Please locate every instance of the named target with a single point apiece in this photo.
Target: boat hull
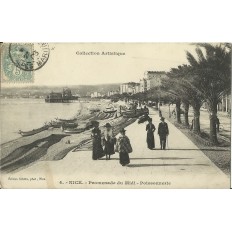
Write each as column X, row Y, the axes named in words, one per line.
column 74, row 131
column 33, row 132
column 67, row 120
column 109, row 112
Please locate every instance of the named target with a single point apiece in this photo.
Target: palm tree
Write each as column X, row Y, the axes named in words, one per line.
column 212, row 77
column 180, row 85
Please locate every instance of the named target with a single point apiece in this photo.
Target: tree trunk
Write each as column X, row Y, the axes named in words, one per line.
column 212, row 118
column 169, row 111
column 196, row 120
column 156, row 104
column 186, row 111
column 178, row 111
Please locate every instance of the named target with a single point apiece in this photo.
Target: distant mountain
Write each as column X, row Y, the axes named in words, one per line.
column 82, row 90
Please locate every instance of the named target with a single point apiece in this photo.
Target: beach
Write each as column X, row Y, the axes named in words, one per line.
column 54, row 144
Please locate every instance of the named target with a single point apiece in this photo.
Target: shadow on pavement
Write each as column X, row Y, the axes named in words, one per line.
column 161, row 158
column 186, row 149
column 160, row 165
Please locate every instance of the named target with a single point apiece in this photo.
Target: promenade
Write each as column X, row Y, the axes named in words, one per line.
column 182, row 165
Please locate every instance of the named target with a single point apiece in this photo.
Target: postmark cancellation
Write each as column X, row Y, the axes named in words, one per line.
column 19, row 61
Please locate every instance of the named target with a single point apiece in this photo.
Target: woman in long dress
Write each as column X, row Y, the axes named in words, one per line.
column 150, row 128
column 124, row 148
column 108, row 141
column 97, row 146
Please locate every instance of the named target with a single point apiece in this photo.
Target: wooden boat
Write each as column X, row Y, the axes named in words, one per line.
column 110, row 110
column 67, row 120
column 58, row 124
column 85, row 125
column 70, row 125
column 131, row 113
column 94, row 110
column 34, row 131
column 74, row 130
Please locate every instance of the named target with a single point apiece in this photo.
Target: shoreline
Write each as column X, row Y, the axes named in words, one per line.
column 53, row 144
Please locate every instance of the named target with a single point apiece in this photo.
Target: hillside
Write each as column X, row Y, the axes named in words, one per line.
column 82, row 90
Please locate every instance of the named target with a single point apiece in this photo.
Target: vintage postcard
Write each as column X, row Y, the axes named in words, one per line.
column 115, row 115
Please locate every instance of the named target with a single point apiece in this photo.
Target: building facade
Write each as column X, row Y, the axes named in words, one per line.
column 143, row 85
column 154, row 78
column 130, row 88
column 111, row 93
column 95, row 95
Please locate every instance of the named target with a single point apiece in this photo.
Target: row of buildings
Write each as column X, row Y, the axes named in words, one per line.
column 108, row 94
column 150, row 80
column 153, row 79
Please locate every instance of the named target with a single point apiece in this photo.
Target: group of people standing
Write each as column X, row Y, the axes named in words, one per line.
column 163, row 132
column 108, row 145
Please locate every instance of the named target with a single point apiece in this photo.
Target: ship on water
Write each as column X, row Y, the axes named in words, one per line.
column 63, row 97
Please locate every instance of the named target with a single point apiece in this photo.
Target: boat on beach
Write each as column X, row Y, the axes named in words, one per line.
column 58, row 124
column 133, row 113
column 94, row 110
column 34, row 131
column 86, row 125
column 67, row 120
column 74, row 130
column 110, row 109
column 129, row 115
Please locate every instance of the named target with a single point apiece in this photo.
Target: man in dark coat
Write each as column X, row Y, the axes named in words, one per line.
column 163, row 132
column 97, row 146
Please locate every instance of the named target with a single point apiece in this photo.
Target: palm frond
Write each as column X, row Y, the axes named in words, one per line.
column 191, row 59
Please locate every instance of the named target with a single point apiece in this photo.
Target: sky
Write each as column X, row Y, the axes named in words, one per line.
column 64, row 67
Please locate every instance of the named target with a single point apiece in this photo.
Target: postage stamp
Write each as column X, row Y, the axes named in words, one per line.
column 20, row 60
column 10, row 72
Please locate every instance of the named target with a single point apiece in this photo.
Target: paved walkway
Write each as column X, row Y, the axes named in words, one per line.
column 183, row 165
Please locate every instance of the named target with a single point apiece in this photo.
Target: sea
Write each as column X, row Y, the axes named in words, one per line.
column 27, row 114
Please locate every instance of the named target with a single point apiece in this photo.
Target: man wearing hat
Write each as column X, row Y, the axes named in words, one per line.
column 163, row 132
column 108, row 141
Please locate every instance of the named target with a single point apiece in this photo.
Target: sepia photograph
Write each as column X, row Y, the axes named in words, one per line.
column 115, row 115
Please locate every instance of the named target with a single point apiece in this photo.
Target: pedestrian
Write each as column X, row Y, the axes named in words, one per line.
column 123, row 146
column 150, row 128
column 108, row 141
column 192, row 125
column 97, row 146
column 174, row 113
column 160, row 113
column 163, row 132
column 217, row 122
column 146, row 110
